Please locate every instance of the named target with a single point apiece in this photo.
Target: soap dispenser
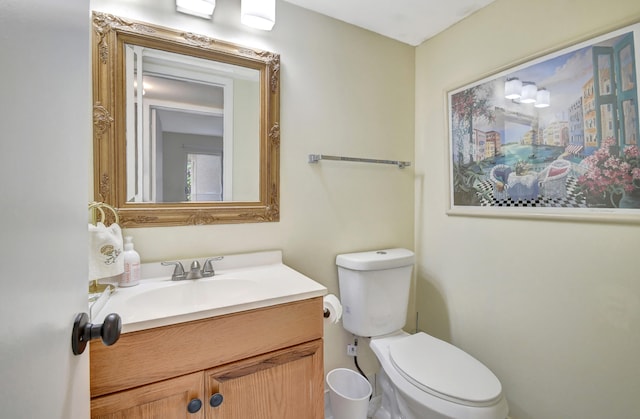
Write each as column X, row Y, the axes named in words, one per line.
column 131, row 275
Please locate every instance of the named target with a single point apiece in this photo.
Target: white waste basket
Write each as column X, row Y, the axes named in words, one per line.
column 348, row 394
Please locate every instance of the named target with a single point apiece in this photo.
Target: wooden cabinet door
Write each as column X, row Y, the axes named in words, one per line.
column 285, row 384
column 162, row 400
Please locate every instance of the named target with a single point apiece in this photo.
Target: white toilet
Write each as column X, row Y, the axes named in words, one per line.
column 421, row 377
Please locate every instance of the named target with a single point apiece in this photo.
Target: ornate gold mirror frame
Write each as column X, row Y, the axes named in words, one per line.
column 110, row 34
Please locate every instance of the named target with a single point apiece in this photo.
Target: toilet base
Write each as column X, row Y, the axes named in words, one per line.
column 391, row 406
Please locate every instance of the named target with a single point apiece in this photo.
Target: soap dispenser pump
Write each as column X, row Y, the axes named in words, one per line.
column 131, row 275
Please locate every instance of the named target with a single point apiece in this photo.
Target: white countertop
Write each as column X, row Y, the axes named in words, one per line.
column 241, row 282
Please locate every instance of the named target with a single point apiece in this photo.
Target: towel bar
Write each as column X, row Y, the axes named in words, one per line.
column 99, row 207
column 314, row 158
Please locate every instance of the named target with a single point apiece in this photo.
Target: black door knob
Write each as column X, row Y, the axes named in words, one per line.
column 194, row 405
column 83, row 331
column 216, row 400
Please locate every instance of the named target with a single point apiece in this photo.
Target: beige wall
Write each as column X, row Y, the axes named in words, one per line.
column 553, row 308
column 344, row 91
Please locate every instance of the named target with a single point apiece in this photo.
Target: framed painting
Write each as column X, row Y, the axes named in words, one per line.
column 556, row 136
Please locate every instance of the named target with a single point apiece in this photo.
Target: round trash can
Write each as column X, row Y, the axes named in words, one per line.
column 348, row 394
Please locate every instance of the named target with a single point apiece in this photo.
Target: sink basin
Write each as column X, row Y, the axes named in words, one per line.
column 242, row 282
column 194, row 295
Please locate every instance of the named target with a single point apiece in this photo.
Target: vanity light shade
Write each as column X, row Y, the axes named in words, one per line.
column 200, row 8
column 259, row 14
column 543, row 98
column 512, row 88
column 529, row 92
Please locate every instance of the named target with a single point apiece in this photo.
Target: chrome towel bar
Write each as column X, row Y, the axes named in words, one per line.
column 314, row 158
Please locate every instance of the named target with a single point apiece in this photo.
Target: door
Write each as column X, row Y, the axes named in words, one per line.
column 204, row 177
column 45, row 123
column 284, row 384
column 176, row 398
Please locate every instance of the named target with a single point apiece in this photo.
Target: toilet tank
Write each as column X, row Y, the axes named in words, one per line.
column 374, row 290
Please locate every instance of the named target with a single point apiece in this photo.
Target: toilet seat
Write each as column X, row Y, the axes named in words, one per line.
column 443, row 370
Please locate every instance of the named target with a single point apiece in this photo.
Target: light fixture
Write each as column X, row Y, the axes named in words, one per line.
column 543, row 98
column 529, row 91
column 200, row 8
column 512, row 88
column 145, row 86
column 526, row 92
column 259, row 14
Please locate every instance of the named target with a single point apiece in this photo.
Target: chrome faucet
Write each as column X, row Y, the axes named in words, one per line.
column 194, row 272
column 179, row 274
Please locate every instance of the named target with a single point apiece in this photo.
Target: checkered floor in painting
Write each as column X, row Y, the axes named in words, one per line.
column 573, row 199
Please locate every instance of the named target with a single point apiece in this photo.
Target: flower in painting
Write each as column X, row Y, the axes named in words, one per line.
column 609, row 173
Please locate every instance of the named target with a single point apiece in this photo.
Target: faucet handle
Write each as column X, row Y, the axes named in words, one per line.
column 178, row 272
column 207, row 269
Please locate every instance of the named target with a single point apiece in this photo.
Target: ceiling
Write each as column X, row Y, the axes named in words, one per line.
column 408, row 21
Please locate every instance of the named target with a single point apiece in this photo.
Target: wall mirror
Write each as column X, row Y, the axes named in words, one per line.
column 186, row 127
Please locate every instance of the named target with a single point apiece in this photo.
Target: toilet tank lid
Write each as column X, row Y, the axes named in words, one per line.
column 376, row 259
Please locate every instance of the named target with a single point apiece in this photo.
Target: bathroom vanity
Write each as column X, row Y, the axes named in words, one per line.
column 253, row 356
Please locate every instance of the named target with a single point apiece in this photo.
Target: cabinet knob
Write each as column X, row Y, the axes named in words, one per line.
column 216, row 400
column 194, row 405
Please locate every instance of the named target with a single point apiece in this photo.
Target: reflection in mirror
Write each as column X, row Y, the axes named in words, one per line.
column 186, row 127
column 185, row 137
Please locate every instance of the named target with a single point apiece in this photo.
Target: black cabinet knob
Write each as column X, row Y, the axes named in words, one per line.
column 194, row 405
column 83, row 331
column 216, row 400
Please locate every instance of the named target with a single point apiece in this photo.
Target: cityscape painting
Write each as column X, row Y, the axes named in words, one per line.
column 556, row 134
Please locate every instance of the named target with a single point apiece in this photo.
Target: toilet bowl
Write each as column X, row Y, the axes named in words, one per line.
column 421, row 377
column 424, row 377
